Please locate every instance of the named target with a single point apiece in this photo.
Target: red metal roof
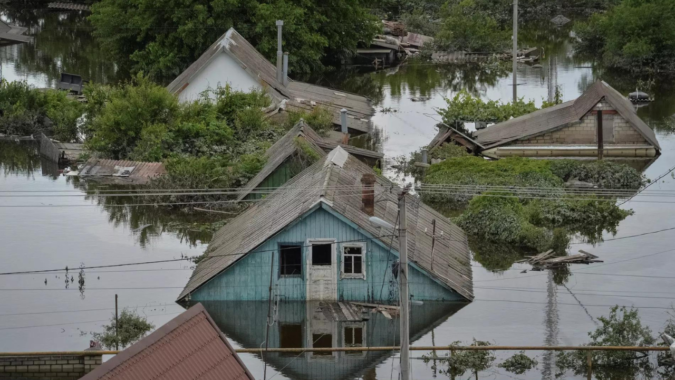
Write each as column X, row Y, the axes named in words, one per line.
column 189, row 346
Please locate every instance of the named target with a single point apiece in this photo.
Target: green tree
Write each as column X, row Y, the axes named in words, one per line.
column 468, row 26
column 634, row 35
column 130, row 327
column 163, row 37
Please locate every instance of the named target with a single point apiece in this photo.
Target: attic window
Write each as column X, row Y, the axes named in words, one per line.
column 290, row 259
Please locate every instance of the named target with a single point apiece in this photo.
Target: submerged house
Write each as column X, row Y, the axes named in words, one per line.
column 294, row 152
column 312, row 237
column 189, row 346
column 567, row 130
column 232, row 60
column 311, row 325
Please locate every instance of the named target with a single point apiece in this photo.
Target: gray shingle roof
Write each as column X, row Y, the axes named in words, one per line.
column 558, row 116
column 298, row 95
column 285, row 147
column 333, row 180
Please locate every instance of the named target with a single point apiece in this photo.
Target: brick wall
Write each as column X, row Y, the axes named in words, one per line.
column 585, row 132
column 47, row 367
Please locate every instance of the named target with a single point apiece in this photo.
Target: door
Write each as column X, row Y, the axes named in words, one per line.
column 321, row 270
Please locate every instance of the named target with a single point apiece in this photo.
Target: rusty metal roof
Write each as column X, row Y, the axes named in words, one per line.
column 189, row 346
column 122, row 172
column 299, row 96
column 552, row 118
column 331, row 182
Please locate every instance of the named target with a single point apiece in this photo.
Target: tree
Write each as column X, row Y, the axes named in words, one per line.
column 130, row 328
column 468, row 26
column 163, row 37
column 634, row 35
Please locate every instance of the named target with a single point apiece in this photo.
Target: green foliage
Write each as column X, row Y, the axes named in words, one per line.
column 622, row 327
column 466, row 107
column 163, row 37
column 445, row 151
column 633, row 35
column 25, row 111
column 604, row 174
column 319, row 118
column 418, row 21
column 469, row 25
column 519, row 363
column 130, row 328
column 306, row 151
column 461, row 361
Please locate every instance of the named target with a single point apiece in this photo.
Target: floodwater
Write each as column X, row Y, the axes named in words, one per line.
column 511, row 308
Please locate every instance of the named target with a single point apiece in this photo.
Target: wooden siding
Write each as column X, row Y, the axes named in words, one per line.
column 279, row 176
column 248, row 279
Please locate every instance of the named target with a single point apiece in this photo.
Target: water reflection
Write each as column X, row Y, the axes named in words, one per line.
column 19, row 158
column 299, row 324
column 63, row 43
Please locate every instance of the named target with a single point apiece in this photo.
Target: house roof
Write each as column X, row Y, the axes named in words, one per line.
column 549, row 119
column 332, row 182
column 298, row 95
column 122, row 172
column 285, row 147
column 189, row 346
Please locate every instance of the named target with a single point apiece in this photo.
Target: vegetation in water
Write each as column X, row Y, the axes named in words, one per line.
column 622, row 327
column 465, row 107
column 469, row 25
column 634, row 35
column 162, row 38
column 25, row 110
column 130, row 328
column 460, row 362
column 527, row 222
column 519, row 363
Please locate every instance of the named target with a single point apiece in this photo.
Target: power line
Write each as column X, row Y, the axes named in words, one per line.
column 571, row 304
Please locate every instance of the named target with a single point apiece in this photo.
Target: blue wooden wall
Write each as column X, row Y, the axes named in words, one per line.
column 248, row 279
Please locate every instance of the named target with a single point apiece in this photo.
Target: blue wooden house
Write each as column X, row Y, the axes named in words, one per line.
column 312, row 237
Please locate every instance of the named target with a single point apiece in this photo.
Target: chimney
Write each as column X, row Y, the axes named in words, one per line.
column 285, row 70
column 343, row 120
column 280, row 24
column 368, row 197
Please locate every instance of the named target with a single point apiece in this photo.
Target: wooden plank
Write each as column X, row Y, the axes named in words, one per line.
column 376, row 306
column 348, row 314
column 385, row 313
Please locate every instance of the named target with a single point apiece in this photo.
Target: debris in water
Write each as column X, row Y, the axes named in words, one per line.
column 549, row 260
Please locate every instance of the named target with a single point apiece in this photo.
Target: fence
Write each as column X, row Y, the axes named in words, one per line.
column 48, row 149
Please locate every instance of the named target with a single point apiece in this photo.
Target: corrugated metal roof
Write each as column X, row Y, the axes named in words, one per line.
column 109, row 171
column 298, row 95
column 328, row 182
column 558, row 116
column 285, row 147
column 189, row 346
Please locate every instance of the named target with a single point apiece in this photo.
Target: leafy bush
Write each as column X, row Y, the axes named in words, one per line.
column 461, row 361
column 467, row 25
column 466, row 107
column 633, row 35
column 603, row 173
column 446, row 151
column 130, row 328
column 519, row 363
column 320, row 119
column 25, row 111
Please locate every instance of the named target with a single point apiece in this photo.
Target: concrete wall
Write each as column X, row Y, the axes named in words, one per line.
column 248, row 279
column 222, row 70
column 617, row 130
column 54, row 367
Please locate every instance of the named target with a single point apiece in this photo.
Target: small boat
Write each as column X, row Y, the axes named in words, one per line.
column 639, row 97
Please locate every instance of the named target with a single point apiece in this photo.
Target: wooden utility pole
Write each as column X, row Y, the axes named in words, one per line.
column 117, row 335
column 515, row 50
column 403, row 281
column 601, row 143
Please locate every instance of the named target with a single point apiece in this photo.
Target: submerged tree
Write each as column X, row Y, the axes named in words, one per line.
column 129, row 328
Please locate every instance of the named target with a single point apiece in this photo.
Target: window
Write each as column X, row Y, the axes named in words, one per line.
column 354, row 337
column 290, row 336
column 353, row 260
column 290, row 259
column 322, row 341
column 322, row 254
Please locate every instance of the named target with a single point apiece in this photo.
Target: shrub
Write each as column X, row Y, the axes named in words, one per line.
column 129, row 328
column 320, row 119
column 519, row 363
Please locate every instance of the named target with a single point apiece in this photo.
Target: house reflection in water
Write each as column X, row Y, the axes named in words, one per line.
column 311, row 324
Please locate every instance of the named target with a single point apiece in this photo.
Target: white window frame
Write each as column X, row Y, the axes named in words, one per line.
column 361, row 275
column 354, row 325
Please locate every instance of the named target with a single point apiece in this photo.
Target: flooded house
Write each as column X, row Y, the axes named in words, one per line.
column 121, row 172
column 313, row 239
column 190, row 346
column 313, row 325
column 294, row 152
column 233, row 61
column 568, row 130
